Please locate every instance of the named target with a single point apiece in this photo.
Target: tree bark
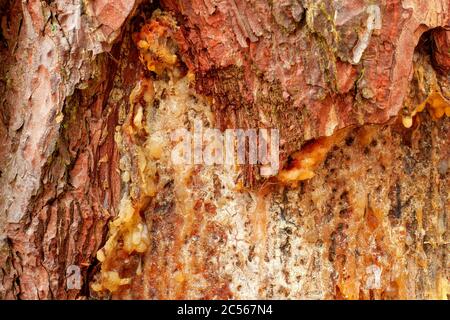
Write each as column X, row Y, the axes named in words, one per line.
column 91, row 92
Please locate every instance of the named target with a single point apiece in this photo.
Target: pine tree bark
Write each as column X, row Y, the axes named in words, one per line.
column 359, row 88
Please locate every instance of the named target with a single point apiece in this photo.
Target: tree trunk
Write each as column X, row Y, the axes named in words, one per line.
column 93, row 205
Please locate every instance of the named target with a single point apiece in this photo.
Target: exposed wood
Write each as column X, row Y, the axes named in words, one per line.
column 91, row 92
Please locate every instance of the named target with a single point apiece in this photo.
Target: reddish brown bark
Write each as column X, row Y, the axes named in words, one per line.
column 78, row 153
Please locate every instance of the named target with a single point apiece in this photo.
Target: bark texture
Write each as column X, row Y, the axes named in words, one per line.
column 57, row 156
column 315, row 66
column 92, row 90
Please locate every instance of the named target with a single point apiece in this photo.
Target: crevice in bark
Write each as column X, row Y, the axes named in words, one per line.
column 375, row 197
